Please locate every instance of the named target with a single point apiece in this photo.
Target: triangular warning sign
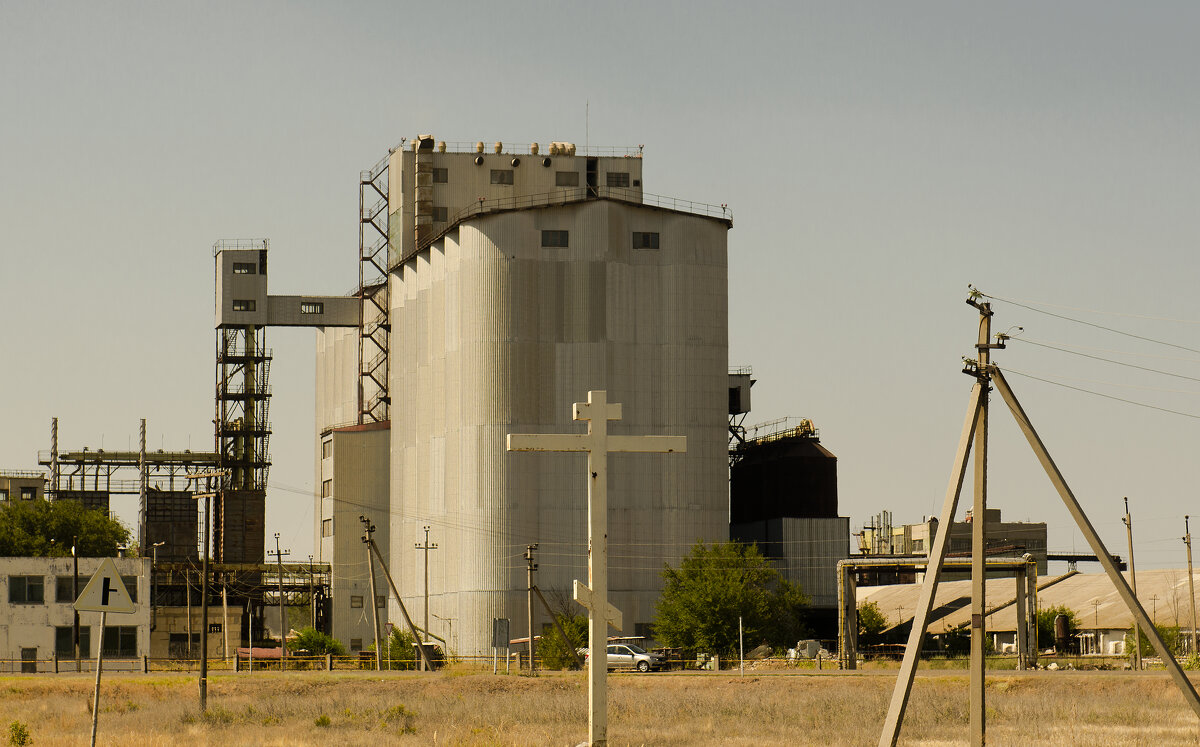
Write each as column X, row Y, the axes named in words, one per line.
column 105, row 592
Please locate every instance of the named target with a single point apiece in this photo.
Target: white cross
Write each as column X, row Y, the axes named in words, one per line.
column 597, row 411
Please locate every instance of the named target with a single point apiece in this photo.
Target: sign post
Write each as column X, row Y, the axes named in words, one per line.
column 104, row 593
column 597, row 411
column 499, row 638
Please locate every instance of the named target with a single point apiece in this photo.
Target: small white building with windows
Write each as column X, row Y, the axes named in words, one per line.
column 38, row 615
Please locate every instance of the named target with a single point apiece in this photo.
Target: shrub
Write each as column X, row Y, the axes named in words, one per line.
column 322, row 721
column 18, row 734
column 316, row 643
column 557, row 653
column 400, row 718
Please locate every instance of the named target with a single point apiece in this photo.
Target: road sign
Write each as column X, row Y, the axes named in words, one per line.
column 105, row 592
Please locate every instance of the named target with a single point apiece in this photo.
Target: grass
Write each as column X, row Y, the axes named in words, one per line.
column 366, row 708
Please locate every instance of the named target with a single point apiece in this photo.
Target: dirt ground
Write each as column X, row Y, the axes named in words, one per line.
column 466, row 707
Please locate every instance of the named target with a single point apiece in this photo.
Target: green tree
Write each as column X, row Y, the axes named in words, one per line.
column 1045, row 624
column 871, row 622
column 554, row 651
column 316, row 643
column 1169, row 633
column 713, row 586
column 43, row 528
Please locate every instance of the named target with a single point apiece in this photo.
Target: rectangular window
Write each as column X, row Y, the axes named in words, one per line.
column 243, row 305
column 326, row 488
column 645, row 239
column 3, row 494
column 327, row 448
column 64, row 589
column 502, row 176
column 326, row 527
column 440, row 176
column 566, row 178
column 64, row 641
column 120, row 640
column 440, row 214
column 555, row 238
column 380, row 601
column 356, row 644
column 312, row 307
column 356, row 602
column 131, row 587
column 243, row 268
column 28, row 494
column 25, row 590
column 617, row 178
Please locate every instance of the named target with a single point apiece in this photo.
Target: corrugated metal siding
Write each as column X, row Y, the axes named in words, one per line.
column 494, row 334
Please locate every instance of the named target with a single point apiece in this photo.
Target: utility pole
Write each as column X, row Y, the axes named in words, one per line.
column 1187, row 540
column 207, row 495
column 153, row 566
column 983, row 346
column 367, row 539
column 530, row 567
column 1137, row 636
column 312, row 600
column 75, row 558
column 426, row 548
column 282, row 618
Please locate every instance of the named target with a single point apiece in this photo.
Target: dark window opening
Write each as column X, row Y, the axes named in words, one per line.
column 440, row 176
column 120, row 640
column 617, row 178
column 26, row 590
column 566, row 178
column 243, row 268
column 64, row 641
column 312, row 307
column 555, row 238
column 240, row 305
column 645, row 239
column 502, row 176
column 440, row 214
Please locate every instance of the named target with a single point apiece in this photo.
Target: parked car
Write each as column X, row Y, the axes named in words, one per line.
column 630, row 656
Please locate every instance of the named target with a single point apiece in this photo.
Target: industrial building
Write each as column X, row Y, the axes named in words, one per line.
column 783, row 497
column 515, row 281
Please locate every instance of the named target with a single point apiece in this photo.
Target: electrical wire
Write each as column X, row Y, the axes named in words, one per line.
column 1098, row 394
column 1094, row 311
column 1091, row 324
column 1105, row 360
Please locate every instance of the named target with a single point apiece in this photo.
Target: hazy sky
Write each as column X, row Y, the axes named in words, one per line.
column 878, row 157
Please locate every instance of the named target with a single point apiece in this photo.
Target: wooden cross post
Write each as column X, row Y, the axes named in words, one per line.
column 597, row 411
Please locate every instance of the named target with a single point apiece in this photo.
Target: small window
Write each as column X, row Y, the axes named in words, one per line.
column 131, row 587
column 25, row 590
column 356, row 644
column 326, row 488
column 120, row 640
column 555, row 238
column 645, row 239
column 326, row 527
column 312, row 307
column 64, row 589
column 243, row 268
column 566, row 178
column 28, row 494
column 64, row 641
column 380, row 601
column 440, row 214
column 327, row 448
column 3, row 494
column 502, row 176
column 243, row 305
column 356, row 602
column 440, row 176
column 617, row 178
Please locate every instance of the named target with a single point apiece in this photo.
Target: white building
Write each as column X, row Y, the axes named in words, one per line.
column 37, row 624
column 519, row 282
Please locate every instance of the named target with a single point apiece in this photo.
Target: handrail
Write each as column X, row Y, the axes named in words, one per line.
column 511, row 147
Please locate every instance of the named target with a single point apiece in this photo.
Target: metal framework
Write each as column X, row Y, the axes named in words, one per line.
column 243, row 397
column 374, row 328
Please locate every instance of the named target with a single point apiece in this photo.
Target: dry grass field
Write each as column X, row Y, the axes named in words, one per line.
column 364, row 708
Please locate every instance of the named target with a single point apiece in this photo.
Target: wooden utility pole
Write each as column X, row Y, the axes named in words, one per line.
column 597, row 411
column 282, row 616
column 368, row 540
column 312, row 600
column 207, row 495
column 426, row 548
column 400, row 603
column 530, row 567
column 1187, row 540
column 1136, row 657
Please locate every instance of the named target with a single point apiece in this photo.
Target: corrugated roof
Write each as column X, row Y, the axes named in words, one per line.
column 1163, row 593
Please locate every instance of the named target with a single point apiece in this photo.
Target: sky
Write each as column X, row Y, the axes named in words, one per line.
column 878, row 157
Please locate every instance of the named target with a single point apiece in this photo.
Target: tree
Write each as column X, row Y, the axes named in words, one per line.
column 713, row 586
column 1169, row 633
column 1045, row 624
column 316, row 643
column 41, row 528
column 871, row 622
column 555, row 652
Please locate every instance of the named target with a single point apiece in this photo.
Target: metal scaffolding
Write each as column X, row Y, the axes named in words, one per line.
column 374, row 327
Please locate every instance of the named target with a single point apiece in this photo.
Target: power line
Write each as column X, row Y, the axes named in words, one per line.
column 1006, row 369
column 1105, row 360
column 1092, row 324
